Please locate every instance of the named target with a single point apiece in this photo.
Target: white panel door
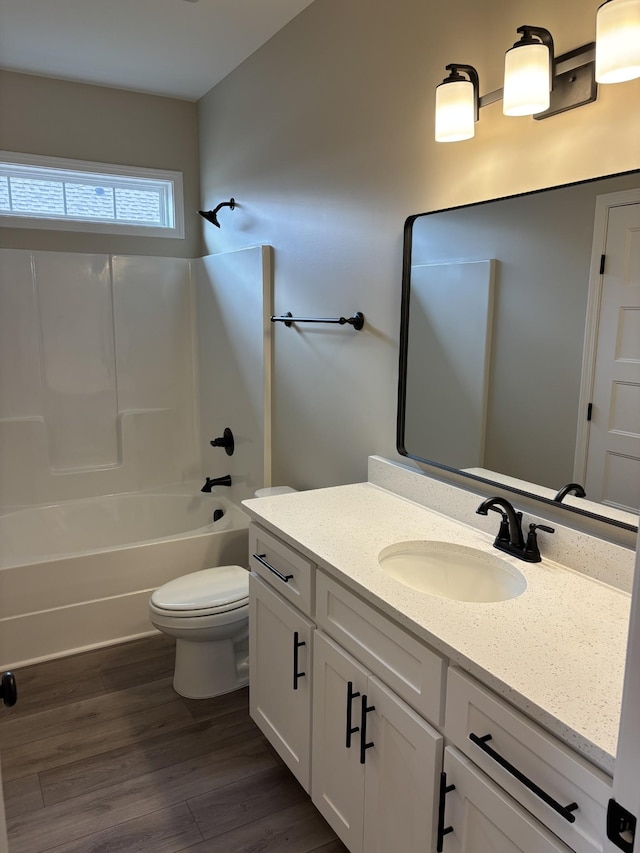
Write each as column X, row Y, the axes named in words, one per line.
column 481, row 818
column 337, row 776
column 402, row 771
column 280, row 676
column 613, row 464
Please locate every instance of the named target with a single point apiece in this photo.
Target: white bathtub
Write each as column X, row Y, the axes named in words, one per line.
column 78, row 574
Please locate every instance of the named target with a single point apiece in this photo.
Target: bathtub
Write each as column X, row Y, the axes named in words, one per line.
column 78, row 574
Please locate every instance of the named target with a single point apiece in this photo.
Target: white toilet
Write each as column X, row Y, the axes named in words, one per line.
column 208, row 614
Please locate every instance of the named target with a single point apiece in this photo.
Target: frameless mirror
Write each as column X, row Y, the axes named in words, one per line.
column 520, row 344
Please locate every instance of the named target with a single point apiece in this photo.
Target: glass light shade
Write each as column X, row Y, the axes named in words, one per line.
column 455, row 111
column 618, row 41
column 526, row 80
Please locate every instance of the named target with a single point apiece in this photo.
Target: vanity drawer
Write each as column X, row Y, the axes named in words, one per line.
column 281, row 567
column 561, row 776
column 408, row 667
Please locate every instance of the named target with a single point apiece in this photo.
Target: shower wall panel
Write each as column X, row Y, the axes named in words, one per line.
column 96, row 375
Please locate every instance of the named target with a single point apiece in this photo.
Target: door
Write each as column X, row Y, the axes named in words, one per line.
column 280, row 676
column 610, row 468
column 402, row 772
column 337, row 788
column 479, row 817
column 626, row 777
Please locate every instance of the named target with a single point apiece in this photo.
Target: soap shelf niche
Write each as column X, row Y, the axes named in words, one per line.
column 357, row 321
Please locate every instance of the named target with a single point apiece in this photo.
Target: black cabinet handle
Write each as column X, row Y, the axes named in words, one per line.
column 351, row 695
column 563, row 811
column 442, row 829
column 364, row 746
column 8, row 689
column 261, row 559
column 296, row 645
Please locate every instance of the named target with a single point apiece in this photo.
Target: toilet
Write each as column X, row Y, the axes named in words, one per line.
column 208, row 614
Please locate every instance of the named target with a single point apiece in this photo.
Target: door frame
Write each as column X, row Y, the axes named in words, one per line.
column 604, row 203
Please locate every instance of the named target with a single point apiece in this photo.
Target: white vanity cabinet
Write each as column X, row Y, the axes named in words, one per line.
column 360, row 709
column 375, row 762
column 280, row 650
column 478, row 817
column 565, row 792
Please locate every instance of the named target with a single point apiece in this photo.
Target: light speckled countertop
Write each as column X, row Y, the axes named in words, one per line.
column 557, row 651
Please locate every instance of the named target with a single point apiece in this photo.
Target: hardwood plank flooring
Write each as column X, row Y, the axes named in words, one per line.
column 100, row 755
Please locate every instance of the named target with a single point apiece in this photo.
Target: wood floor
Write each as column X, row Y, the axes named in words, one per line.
column 101, row 755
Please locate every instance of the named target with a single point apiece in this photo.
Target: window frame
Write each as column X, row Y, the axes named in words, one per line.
column 13, row 220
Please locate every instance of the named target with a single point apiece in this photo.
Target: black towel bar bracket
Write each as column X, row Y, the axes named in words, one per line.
column 357, row 321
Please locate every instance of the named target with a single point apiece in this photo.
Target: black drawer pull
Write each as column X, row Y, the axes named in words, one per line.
column 296, row 645
column 351, row 695
column 261, row 559
column 563, row 811
column 364, row 746
column 442, row 829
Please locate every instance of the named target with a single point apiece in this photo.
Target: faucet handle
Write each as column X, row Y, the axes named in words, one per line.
column 534, row 527
column 531, row 551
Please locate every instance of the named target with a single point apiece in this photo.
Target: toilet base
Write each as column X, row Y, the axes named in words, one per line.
column 205, row 670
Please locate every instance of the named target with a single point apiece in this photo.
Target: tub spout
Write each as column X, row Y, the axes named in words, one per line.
column 219, row 481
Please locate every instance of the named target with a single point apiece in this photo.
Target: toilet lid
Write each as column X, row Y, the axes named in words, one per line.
column 219, row 588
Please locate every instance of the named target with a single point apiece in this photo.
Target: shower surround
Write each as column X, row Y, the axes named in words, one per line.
column 115, row 373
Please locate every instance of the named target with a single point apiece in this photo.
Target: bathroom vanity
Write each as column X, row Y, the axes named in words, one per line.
column 418, row 722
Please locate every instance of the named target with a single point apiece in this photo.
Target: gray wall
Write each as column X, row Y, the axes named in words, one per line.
column 57, row 118
column 325, row 138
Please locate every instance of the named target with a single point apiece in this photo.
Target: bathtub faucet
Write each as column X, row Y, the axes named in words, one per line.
column 219, row 481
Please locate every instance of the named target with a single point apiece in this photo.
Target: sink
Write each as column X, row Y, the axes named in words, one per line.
column 452, row 571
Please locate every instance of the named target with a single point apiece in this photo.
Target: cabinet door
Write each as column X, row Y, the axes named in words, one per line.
column 402, row 775
column 337, row 776
column 280, row 676
column 484, row 819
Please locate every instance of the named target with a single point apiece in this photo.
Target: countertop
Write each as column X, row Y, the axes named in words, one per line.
column 556, row 652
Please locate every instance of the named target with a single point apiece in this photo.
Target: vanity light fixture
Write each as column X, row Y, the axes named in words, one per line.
column 618, row 41
column 528, row 73
column 457, row 104
column 539, row 84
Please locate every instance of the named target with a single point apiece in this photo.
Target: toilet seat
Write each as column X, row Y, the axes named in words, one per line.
column 205, row 593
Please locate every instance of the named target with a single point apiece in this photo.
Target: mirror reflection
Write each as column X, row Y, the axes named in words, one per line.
column 520, row 362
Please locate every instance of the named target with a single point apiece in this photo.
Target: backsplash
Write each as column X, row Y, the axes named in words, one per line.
column 97, row 389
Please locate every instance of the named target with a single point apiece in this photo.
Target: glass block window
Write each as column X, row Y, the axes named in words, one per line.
column 39, row 192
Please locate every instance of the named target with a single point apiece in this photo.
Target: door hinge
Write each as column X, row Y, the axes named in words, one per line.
column 621, row 827
column 589, row 411
column 602, row 259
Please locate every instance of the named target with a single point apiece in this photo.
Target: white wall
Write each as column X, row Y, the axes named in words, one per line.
column 324, row 137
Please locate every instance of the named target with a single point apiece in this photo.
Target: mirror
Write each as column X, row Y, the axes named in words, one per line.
column 498, row 344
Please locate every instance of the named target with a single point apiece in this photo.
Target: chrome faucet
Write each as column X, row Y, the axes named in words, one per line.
column 510, row 538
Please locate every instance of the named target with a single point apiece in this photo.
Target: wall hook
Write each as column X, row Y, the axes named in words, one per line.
column 212, row 215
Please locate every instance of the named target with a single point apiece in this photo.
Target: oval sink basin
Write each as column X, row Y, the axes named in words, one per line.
column 452, row 571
